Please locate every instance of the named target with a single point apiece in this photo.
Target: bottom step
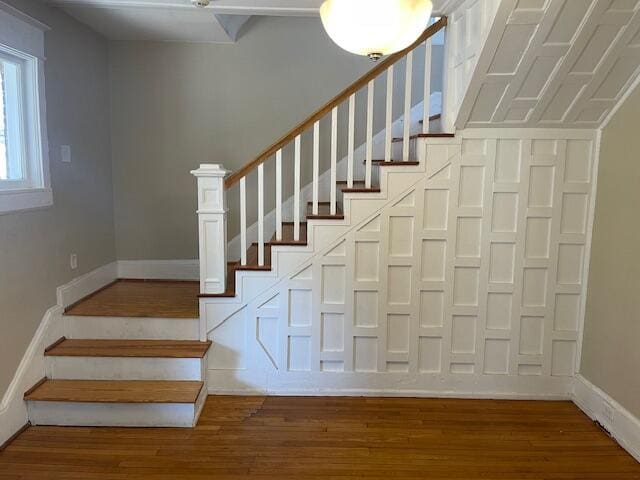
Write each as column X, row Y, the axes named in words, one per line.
column 135, row 403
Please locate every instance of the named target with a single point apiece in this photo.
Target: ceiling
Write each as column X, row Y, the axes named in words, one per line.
column 179, row 21
column 554, row 63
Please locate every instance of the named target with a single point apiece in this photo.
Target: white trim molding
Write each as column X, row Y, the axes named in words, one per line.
column 86, row 284
column 159, row 269
column 22, row 38
column 623, row 426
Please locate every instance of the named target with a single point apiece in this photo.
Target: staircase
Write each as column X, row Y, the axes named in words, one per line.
column 130, row 357
column 135, row 353
column 257, row 255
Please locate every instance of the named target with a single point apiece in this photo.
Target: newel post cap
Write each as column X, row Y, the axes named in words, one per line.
column 210, row 170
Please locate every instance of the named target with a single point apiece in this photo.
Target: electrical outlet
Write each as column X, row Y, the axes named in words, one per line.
column 73, row 261
column 65, row 153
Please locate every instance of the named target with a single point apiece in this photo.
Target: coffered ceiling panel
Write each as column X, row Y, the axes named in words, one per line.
column 554, row 63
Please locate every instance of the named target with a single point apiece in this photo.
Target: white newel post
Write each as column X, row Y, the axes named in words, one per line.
column 212, row 226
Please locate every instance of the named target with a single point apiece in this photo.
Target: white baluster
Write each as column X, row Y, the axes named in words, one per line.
column 279, row 195
column 427, row 86
column 407, row 108
column 261, row 214
column 243, row 221
column 388, row 133
column 316, row 165
column 334, row 158
column 351, row 140
column 296, row 191
column 369, row 146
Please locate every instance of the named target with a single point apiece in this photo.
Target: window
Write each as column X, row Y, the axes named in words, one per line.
column 24, row 175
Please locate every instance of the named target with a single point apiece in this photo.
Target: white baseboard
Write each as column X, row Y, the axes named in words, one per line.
column 159, row 269
column 32, row 368
column 82, row 286
column 372, row 384
column 13, row 409
column 599, row 406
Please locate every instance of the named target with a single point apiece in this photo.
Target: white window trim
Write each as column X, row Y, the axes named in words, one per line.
column 25, row 35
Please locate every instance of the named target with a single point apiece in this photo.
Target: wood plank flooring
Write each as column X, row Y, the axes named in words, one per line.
column 288, row 438
column 142, row 298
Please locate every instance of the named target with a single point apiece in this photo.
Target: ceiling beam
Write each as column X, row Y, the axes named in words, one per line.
column 298, row 8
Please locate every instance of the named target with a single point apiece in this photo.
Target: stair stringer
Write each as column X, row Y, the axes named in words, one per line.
column 357, row 207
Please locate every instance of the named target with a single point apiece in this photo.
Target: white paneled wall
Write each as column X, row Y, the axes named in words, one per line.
column 469, row 283
column 467, row 29
column 553, row 63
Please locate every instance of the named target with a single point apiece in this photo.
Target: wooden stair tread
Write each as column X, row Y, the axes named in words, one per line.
column 425, row 135
column 230, row 291
column 141, row 298
column 358, row 187
column 288, row 235
column 115, row 391
column 393, row 163
column 69, row 347
column 252, row 258
column 324, row 212
column 437, row 116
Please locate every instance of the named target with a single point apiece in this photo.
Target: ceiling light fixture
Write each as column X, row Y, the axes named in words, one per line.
column 375, row 27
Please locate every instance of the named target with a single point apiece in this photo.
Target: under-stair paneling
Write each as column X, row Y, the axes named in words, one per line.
column 470, row 282
column 554, row 64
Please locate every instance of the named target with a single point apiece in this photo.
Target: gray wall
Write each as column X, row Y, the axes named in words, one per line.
column 611, row 349
column 35, row 245
column 175, row 106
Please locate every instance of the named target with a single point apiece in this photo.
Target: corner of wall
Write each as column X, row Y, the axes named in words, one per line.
column 621, row 424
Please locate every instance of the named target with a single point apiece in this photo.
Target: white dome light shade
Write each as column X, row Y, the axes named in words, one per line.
column 375, row 27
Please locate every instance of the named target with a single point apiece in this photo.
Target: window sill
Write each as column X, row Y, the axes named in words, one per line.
column 16, row 200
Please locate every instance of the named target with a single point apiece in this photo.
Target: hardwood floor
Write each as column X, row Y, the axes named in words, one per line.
column 335, row 438
column 142, row 298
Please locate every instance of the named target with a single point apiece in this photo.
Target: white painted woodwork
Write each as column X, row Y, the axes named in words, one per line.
column 131, row 328
column 427, row 86
column 124, row 368
column 620, row 423
column 388, row 132
column 296, row 191
column 212, row 226
column 466, row 279
column 279, row 195
column 243, row 221
column 183, row 415
column 369, row 134
column 261, row 214
column 351, row 140
column 560, row 63
column 306, row 191
column 406, row 131
column 334, row 159
column 467, row 29
column 316, row 165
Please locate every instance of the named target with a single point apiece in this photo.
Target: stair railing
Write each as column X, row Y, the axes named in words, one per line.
column 212, row 182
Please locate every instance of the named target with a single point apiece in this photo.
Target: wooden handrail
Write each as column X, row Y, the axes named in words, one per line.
column 338, row 99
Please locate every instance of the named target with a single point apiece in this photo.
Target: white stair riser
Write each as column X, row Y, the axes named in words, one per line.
column 132, row 328
column 112, row 414
column 124, row 368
